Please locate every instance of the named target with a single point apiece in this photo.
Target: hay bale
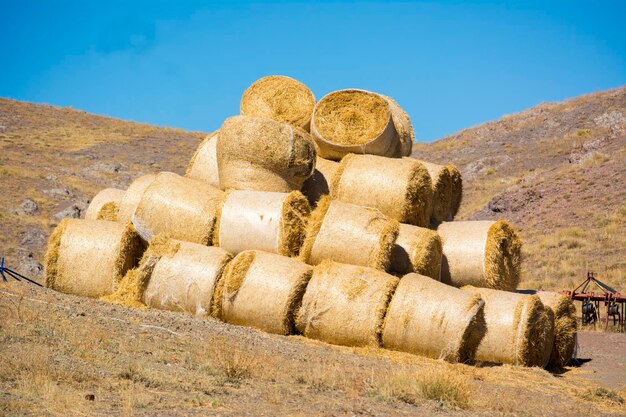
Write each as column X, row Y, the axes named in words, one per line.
column 131, row 198
column 480, row 253
column 432, row 319
column 256, row 153
column 262, row 290
column 355, row 121
column 185, row 279
column 262, row 220
column 345, row 304
column 350, row 234
column 403, row 126
column 89, row 257
column 105, row 205
column 182, row 208
column 565, row 326
column 457, row 189
column 399, row 188
column 418, row 250
column 279, row 98
column 520, row 329
column 319, row 184
column 203, row 164
column 442, row 187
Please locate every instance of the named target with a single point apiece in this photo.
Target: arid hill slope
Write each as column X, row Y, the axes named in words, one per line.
column 558, row 171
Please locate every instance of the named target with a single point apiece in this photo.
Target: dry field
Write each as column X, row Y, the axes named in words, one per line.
column 62, row 355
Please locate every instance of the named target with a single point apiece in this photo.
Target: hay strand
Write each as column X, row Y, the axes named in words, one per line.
column 345, row 304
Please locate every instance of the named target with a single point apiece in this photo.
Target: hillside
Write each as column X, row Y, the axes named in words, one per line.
column 558, row 171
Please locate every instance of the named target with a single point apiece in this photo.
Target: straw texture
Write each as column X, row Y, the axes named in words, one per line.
column 203, row 164
column 256, row 153
column 418, row 250
column 442, row 187
column 131, row 198
column 345, row 304
column 262, row 220
column 354, row 121
column 89, row 257
column 350, row 234
column 432, row 319
column 105, row 205
column 279, row 98
column 319, row 184
column 565, row 326
column 457, row 189
column 182, row 208
column 263, row 290
column 185, row 279
column 480, row 253
column 399, row 188
column 520, row 329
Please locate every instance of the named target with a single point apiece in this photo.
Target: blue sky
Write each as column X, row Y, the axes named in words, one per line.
column 186, row 63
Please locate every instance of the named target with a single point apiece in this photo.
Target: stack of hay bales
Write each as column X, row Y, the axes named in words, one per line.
column 378, row 262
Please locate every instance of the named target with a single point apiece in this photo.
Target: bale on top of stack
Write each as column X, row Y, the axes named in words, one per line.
column 262, row 220
column 90, row 257
column 256, row 153
column 105, row 205
column 182, row 208
column 399, row 188
column 480, row 253
column 348, row 233
column 359, row 121
column 279, row 98
column 262, row 290
column 203, row 163
column 173, row 275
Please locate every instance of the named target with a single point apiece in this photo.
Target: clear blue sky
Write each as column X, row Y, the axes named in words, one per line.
column 186, row 63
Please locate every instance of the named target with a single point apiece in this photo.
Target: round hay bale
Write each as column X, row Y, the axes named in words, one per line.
column 442, row 187
column 203, row 164
column 480, row 253
column 105, row 205
column 436, row 320
column 182, row 208
column 262, row 220
column 131, row 198
column 345, row 304
column 256, row 153
column 89, row 257
column 319, row 184
column 262, row 290
column 350, row 234
column 354, row 121
column 185, row 279
column 399, row 188
column 520, row 329
column 403, row 126
column 418, row 250
column 457, row 190
column 279, row 98
column 565, row 326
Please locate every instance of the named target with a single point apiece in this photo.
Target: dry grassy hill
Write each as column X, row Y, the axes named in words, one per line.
column 558, row 171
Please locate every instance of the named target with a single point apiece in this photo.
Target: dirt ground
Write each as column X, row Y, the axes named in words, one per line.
column 65, row 355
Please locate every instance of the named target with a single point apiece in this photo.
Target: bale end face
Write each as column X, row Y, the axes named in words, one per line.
column 382, row 257
column 503, row 257
column 535, row 332
column 108, row 212
column 313, row 227
column 419, row 197
column 231, row 281
column 52, row 253
column 474, row 332
column 456, row 180
column 295, row 214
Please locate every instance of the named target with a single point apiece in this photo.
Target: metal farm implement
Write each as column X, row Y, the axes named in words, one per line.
column 614, row 302
column 6, row 272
